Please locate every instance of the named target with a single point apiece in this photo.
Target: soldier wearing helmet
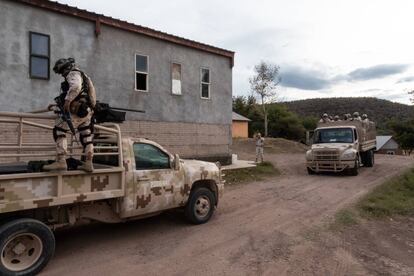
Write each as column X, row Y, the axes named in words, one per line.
column 356, row 116
column 325, row 118
column 364, row 117
column 347, row 117
column 336, row 118
column 79, row 97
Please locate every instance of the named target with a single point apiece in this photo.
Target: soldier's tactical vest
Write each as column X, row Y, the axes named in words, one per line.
column 86, row 100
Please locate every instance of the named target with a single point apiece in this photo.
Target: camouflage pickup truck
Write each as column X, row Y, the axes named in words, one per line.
column 133, row 178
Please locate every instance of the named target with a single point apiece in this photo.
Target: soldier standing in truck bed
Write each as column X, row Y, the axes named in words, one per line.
column 79, row 97
column 325, row 118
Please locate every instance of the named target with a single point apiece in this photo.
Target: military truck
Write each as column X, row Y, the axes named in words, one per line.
column 340, row 146
column 133, row 178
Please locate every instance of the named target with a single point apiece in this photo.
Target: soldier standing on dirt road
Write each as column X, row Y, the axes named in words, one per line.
column 259, row 147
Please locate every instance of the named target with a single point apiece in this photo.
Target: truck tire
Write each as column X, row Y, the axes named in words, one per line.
column 369, row 159
column 200, row 206
column 364, row 158
column 310, row 171
column 355, row 170
column 26, row 246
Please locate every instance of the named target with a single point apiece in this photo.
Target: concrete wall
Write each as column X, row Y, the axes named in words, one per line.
column 390, row 151
column 110, row 61
column 391, row 147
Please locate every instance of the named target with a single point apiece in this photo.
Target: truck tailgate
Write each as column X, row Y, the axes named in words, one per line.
column 38, row 190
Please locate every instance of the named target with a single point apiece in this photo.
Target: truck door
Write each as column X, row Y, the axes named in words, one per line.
column 153, row 179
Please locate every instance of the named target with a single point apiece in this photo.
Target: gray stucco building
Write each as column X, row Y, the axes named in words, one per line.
column 184, row 86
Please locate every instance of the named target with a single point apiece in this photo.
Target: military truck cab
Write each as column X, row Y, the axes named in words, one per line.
column 342, row 146
column 133, row 178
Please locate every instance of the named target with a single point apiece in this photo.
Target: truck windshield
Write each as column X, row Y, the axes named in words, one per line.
column 333, row 135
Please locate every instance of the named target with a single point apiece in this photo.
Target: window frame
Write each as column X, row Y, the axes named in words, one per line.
column 201, row 83
column 181, row 77
column 141, row 72
column 152, row 169
column 39, row 56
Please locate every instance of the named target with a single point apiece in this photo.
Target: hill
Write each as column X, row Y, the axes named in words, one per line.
column 380, row 111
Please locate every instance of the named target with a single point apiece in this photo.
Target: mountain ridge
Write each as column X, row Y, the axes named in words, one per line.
column 378, row 110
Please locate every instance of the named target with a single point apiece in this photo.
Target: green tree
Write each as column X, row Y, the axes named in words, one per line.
column 404, row 134
column 240, row 105
column 309, row 122
column 283, row 123
column 263, row 84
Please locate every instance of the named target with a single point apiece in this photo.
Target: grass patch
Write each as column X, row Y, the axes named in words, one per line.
column 394, row 197
column 259, row 172
column 343, row 218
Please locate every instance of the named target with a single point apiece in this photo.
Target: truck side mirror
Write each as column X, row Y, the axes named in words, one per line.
column 176, row 163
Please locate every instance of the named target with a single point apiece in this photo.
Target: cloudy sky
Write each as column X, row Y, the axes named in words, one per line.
column 324, row 48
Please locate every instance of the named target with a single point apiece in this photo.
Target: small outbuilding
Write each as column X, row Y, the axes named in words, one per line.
column 388, row 145
column 240, row 126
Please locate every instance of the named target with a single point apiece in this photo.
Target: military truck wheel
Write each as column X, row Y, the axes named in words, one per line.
column 200, row 206
column 26, row 246
column 369, row 159
column 355, row 170
column 310, row 171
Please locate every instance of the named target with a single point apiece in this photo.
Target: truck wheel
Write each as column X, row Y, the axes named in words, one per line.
column 200, row 205
column 364, row 159
column 26, row 247
column 310, row 171
column 369, row 159
column 354, row 171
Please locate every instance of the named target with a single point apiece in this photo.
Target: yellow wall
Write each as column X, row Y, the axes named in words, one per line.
column 240, row 129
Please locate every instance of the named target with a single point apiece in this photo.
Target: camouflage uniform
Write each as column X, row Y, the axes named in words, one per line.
column 356, row 116
column 259, row 148
column 325, row 119
column 83, row 125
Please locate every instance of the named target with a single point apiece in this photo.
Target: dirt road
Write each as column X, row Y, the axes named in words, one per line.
column 262, row 228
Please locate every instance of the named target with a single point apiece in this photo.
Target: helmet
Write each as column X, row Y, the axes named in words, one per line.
column 364, row 116
column 325, row 115
column 63, row 64
column 336, row 118
column 356, row 114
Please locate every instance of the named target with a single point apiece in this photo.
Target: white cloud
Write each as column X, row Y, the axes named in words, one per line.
column 325, row 38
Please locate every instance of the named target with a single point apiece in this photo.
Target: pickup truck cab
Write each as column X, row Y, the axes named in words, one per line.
column 133, row 178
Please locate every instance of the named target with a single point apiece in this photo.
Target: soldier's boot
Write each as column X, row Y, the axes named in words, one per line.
column 87, row 166
column 58, row 165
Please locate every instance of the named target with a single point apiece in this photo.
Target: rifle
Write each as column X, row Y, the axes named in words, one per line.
column 65, row 116
column 104, row 113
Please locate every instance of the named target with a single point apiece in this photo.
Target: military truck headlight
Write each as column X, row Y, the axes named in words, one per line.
column 349, row 155
column 309, row 156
